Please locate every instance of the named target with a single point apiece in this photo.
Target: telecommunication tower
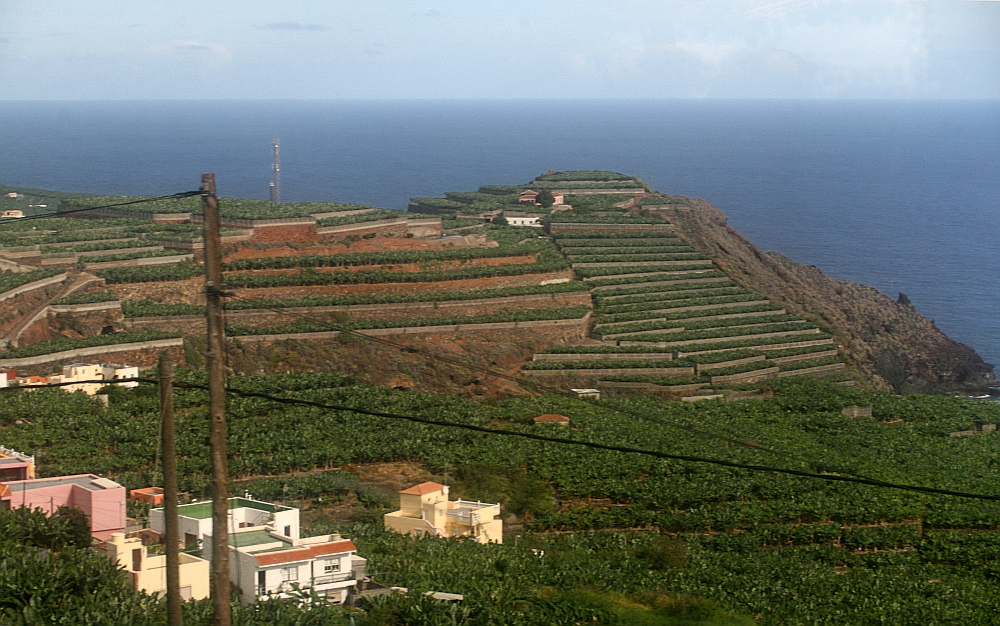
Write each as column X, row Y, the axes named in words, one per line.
column 275, row 185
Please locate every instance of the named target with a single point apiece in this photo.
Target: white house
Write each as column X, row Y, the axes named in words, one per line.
column 195, row 520
column 265, row 564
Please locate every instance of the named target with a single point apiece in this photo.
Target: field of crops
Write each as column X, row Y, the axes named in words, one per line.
column 784, row 548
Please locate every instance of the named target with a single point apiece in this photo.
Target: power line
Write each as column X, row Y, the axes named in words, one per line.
column 175, row 196
column 560, row 440
column 543, row 388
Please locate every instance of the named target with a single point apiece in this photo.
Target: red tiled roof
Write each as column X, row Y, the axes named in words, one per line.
column 551, row 417
column 422, row 488
column 305, row 552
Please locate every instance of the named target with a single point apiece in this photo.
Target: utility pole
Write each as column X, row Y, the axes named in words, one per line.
column 276, row 170
column 168, row 437
column 215, row 363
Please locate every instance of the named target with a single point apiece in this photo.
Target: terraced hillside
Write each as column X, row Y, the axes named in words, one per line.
column 667, row 317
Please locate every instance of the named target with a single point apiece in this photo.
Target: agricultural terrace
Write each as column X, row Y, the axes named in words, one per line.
column 668, row 318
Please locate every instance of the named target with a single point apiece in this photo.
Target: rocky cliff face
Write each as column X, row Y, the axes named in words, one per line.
column 887, row 341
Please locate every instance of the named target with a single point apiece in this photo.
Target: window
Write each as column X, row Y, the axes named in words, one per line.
column 290, row 574
column 331, row 567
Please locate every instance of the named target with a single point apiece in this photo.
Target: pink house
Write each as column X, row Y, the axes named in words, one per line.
column 101, row 499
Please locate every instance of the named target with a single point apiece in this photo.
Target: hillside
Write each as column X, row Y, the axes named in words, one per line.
column 888, row 340
column 607, row 283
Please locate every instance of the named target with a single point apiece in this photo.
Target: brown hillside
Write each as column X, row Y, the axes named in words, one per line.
column 889, row 341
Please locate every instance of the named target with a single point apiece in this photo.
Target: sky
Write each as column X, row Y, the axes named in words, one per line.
column 402, row 49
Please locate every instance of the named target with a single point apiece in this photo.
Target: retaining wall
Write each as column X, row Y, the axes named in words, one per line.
column 646, row 263
column 819, row 370
column 650, row 371
column 568, row 227
column 707, row 367
column 661, row 283
column 765, row 348
column 617, row 356
column 82, row 352
column 688, row 342
column 38, row 284
column 409, row 330
column 797, row 358
column 761, row 374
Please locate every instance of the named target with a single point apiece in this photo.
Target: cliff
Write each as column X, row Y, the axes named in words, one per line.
column 887, row 341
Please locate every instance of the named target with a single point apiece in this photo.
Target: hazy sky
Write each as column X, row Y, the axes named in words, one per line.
column 181, row 49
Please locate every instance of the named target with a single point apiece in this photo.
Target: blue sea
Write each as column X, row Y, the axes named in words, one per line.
column 900, row 195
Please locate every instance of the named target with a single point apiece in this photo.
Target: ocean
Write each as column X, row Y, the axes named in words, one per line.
column 900, row 195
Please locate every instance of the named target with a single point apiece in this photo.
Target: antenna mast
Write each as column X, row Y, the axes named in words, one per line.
column 275, row 185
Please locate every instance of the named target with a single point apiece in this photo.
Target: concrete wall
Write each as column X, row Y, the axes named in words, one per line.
column 646, row 263
column 633, row 275
column 705, row 367
column 688, row 342
column 408, row 330
column 94, row 350
column 761, row 374
column 660, row 283
column 597, row 356
column 819, row 370
column 650, row 371
column 796, row 358
column 38, row 284
column 566, row 227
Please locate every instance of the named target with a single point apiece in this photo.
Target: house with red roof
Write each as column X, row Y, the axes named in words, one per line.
column 267, row 558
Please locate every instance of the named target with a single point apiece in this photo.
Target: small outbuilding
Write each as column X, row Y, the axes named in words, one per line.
column 552, row 418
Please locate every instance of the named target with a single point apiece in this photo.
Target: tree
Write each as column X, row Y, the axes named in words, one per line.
column 76, row 524
column 545, row 198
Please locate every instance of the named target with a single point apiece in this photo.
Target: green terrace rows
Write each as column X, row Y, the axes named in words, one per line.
column 148, row 308
column 10, row 280
column 241, row 208
column 395, row 257
column 305, row 326
column 654, row 313
column 64, row 343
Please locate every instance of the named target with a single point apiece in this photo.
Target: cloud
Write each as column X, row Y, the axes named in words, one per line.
column 298, row 26
column 217, row 50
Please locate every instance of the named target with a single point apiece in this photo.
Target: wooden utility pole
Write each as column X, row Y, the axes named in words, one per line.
column 169, row 445
column 215, row 362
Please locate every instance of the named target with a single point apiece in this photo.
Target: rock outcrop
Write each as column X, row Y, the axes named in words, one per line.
column 887, row 340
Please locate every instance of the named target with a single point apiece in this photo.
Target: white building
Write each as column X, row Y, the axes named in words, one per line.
column 267, row 557
column 89, row 372
column 195, row 520
column 265, row 564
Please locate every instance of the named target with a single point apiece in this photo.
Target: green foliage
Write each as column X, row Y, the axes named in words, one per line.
column 87, row 298
column 128, row 256
column 11, row 280
column 547, row 261
column 304, row 326
column 617, row 218
column 360, row 218
column 395, row 257
column 156, row 273
column 64, row 343
column 585, row 175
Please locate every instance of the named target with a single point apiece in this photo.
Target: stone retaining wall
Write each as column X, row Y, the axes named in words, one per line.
column 688, row 342
column 650, row 371
column 409, row 330
column 89, row 306
column 809, row 356
column 646, row 263
column 765, row 348
column 38, row 284
column 661, row 283
column 819, row 370
column 761, row 374
column 617, row 356
column 93, row 350
column 706, row 367
column 573, row 227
